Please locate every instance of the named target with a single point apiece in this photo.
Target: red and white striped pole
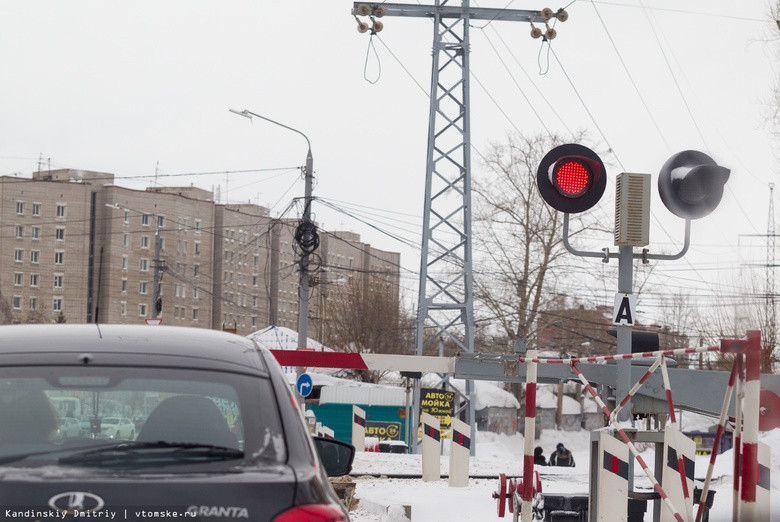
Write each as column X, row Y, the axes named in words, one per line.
column 674, row 432
column 620, row 357
column 740, row 362
column 724, row 412
column 529, row 436
column 636, row 387
column 750, row 471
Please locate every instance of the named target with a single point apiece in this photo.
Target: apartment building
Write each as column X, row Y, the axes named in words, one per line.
column 76, row 247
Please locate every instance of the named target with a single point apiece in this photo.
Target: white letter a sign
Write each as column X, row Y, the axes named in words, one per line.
column 625, row 309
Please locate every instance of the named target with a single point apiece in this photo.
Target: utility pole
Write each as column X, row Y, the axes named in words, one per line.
column 446, row 301
column 157, row 270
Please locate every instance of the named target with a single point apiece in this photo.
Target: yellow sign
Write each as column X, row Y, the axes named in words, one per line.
column 383, row 430
column 440, row 404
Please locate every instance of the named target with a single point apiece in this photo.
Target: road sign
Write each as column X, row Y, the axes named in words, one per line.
column 154, row 321
column 625, row 309
column 304, row 385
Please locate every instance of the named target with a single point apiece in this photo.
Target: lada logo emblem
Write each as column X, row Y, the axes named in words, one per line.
column 72, row 501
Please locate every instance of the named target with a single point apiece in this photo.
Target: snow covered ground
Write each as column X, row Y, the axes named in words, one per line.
column 435, row 501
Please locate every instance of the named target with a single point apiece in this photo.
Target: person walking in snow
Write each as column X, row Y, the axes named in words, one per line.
column 561, row 457
column 539, row 459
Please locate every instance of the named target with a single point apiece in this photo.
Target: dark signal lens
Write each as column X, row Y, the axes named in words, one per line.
column 572, row 178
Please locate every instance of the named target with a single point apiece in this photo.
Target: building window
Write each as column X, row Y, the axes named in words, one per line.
column 144, row 265
column 254, row 321
column 19, row 231
column 59, row 258
column 254, row 280
column 59, row 234
column 196, row 293
column 125, row 240
column 142, row 310
column 122, row 308
column 254, row 301
column 35, row 233
column 160, row 221
column 36, row 209
column 127, row 218
column 197, row 226
column 20, row 207
column 194, row 314
column 196, row 270
column 33, row 303
column 34, row 279
column 18, row 277
column 144, row 241
column 17, row 302
column 184, row 247
column 58, row 279
column 124, row 262
column 60, row 212
column 255, row 260
column 124, row 285
column 56, row 304
column 145, row 219
column 35, row 257
column 197, row 248
column 142, row 287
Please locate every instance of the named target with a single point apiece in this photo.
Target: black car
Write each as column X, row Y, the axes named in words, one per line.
column 222, row 438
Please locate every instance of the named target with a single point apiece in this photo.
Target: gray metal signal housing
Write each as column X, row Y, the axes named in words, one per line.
column 632, row 210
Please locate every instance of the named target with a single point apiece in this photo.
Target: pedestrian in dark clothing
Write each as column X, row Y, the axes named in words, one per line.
column 561, row 457
column 539, row 459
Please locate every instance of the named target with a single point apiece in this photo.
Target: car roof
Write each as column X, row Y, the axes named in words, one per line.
column 131, row 345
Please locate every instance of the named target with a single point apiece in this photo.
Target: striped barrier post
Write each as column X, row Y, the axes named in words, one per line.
column 528, row 440
column 680, row 453
column 621, row 357
column 679, row 462
column 648, row 472
column 431, row 448
column 750, row 471
column 763, row 486
column 716, row 444
column 612, row 489
column 358, row 428
column 460, row 452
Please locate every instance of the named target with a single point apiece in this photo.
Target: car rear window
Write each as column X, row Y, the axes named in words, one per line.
column 141, row 404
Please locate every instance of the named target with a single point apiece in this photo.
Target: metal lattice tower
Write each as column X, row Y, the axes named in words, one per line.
column 446, row 305
column 770, row 251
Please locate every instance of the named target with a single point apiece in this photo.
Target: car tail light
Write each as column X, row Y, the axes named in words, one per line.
column 313, row 513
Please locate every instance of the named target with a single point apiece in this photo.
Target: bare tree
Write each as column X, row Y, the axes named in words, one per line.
column 365, row 317
column 518, row 236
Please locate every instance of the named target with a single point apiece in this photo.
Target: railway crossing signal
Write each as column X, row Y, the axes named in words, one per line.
column 691, row 184
column 571, row 178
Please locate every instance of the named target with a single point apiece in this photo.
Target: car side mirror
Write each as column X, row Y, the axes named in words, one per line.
column 336, row 455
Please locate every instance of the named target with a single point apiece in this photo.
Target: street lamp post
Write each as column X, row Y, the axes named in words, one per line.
column 305, row 236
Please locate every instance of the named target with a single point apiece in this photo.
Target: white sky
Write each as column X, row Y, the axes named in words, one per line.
column 118, row 87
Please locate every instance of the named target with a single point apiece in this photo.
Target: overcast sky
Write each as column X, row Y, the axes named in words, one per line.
column 144, row 87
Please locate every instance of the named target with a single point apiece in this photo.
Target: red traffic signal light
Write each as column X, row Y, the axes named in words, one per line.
column 571, row 178
column 691, row 184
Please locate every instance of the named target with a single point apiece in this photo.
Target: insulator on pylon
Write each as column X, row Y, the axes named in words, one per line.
column 363, row 10
column 362, row 27
column 562, row 15
column 379, row 11
column 550, row 33
column 546, row 13
column 378, row 26
column 535, row 32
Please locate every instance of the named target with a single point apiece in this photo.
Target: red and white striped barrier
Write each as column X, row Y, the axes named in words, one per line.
column 365, row 361
column 358, row 428
column 460, row 451
column 431, row 448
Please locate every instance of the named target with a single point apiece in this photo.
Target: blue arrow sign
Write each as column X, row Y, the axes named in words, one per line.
column 304, row 385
